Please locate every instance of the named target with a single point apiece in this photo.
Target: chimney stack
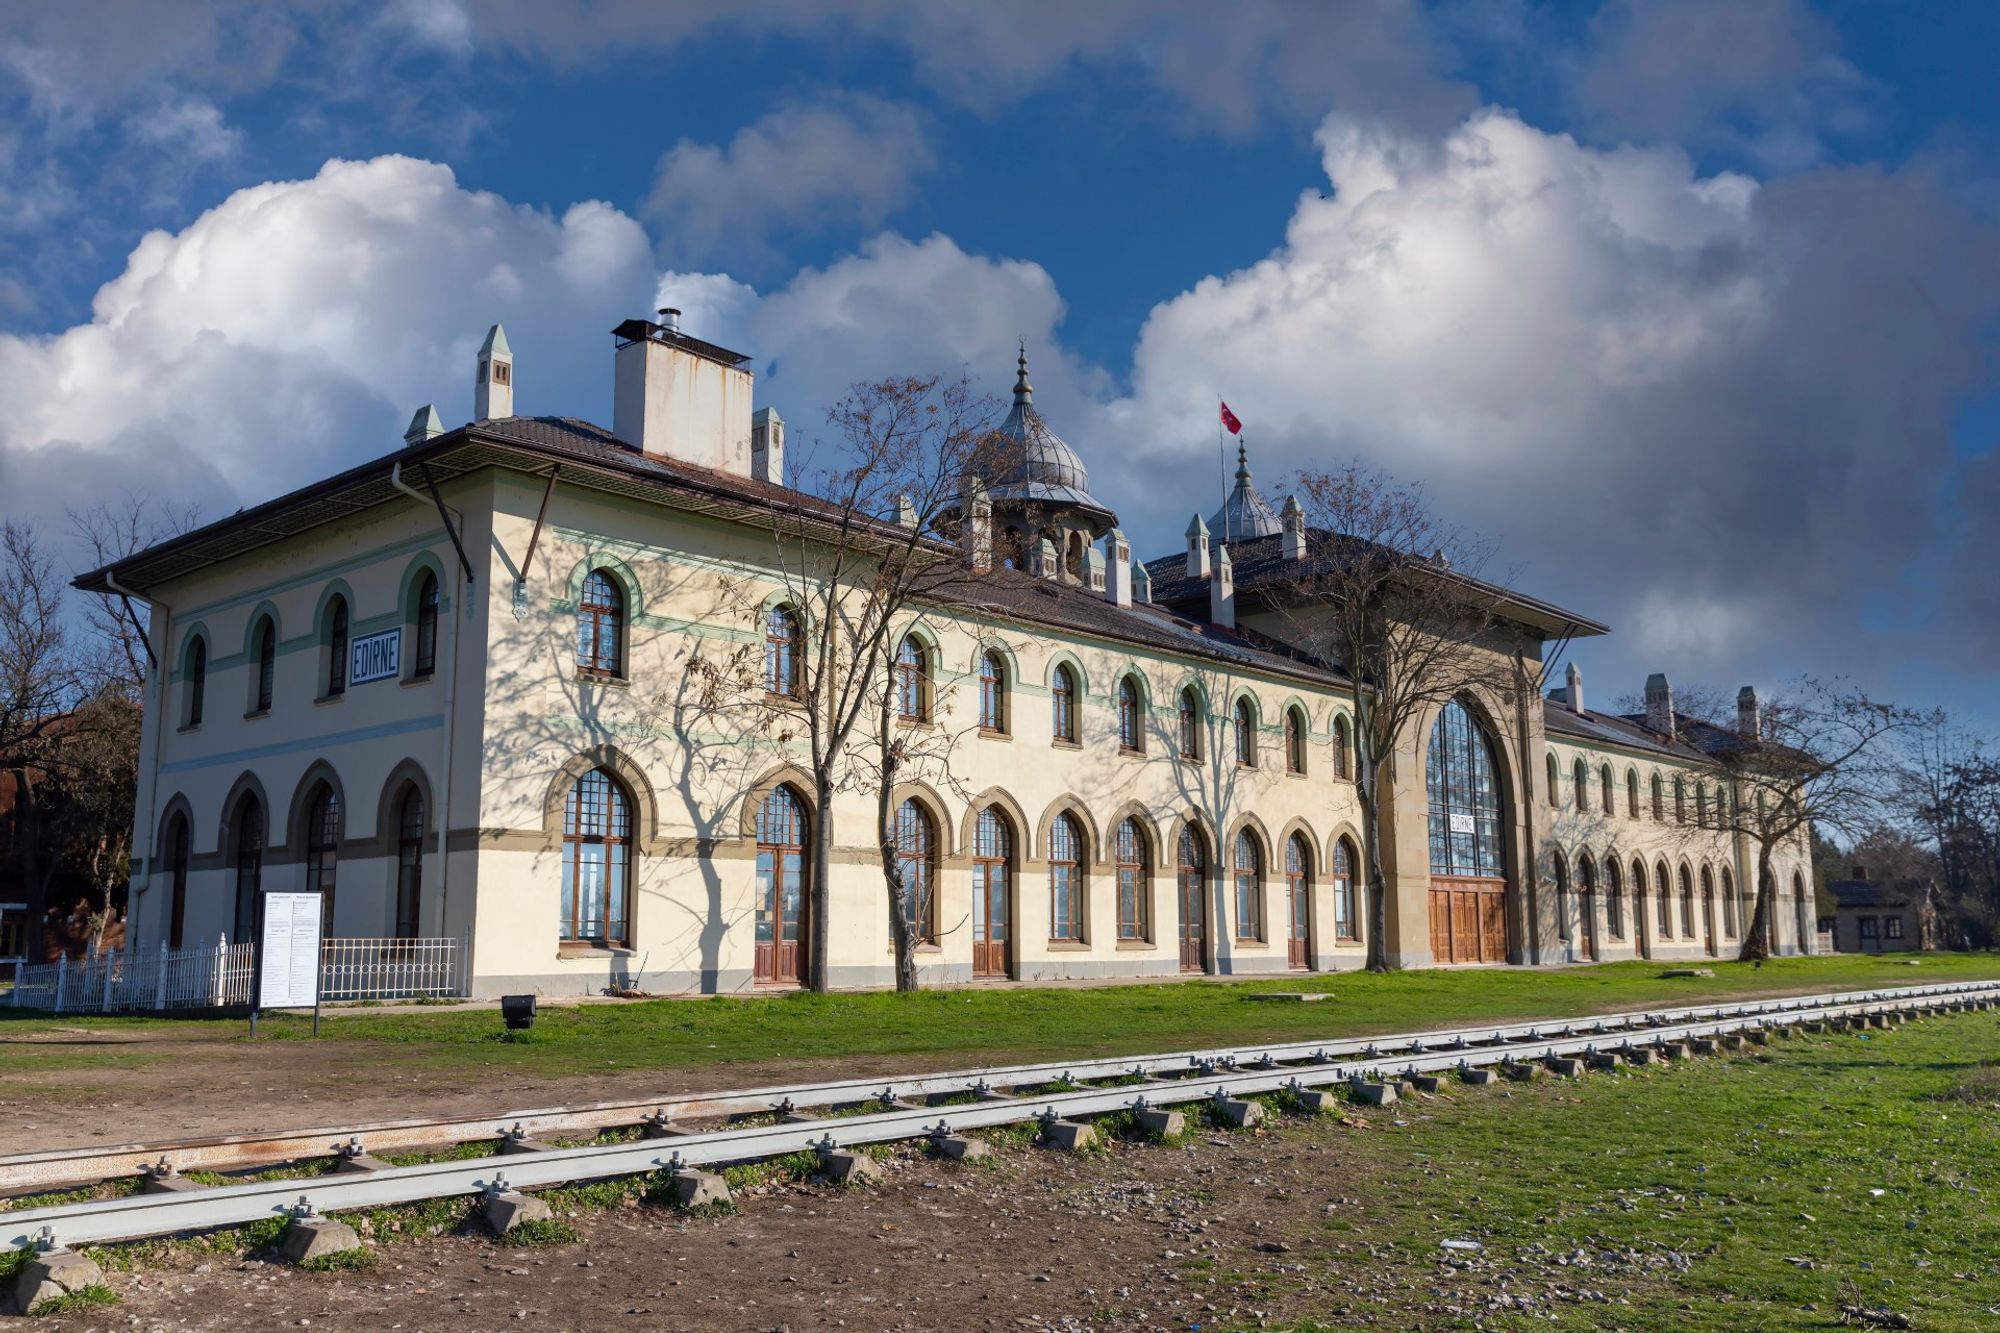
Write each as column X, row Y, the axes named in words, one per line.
column 1294, row 520
column 493, row 393
column 1659, row 705
column 1044, row 561
column 906, row 512
column 1749, row 715
column 423, row 426
column 1118, row 569
column 1197, row 549
column 975, row 524
column 1093, row 569
column 1574, row 695
column 767, row 446
column 681, row 398
column 1222, row 592
column 1142, row 585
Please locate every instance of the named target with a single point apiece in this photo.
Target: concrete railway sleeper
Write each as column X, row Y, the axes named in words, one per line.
column 942, row 1108
column 36, row 1172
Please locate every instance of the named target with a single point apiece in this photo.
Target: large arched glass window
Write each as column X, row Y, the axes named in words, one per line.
column 1608, row 797
column 1659, row 799
column 1687, row 903
column 913, row 694
column 1614, row 899
column 1701, row 805
column 1246, row 734
column 1062, row 705
column 197, row 681
column 1346, row 913
column 1249, row 887
column 1134, row 890
column 1632, row 792
column 1131, row 735
column 600, row 625
column 1580, row 780
column 427, row 627
column 1190, row 718
column 323, row 851
column 1555, row 783
column 1680, row 800
column 336, row 648
column 409, row 863
column 781, row 887
column 1464, row 797
column 781, row 652
column 1559, row 877
column 1663, row 887
column 1295, row 741
column 1065, row 880
column 267, row 666
column 1343, row 766
column 992, row 694
column 249, row 852
column 916, row 857
column 596, row 865
column 178, row 856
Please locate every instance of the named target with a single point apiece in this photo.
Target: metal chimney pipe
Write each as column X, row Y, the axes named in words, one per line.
column 670, row 319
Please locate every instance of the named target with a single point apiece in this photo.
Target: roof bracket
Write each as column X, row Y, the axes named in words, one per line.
column 430, row 484
column 528, row 561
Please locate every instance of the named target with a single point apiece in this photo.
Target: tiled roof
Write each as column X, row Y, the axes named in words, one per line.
column 1866, row 893
column 1629, row 731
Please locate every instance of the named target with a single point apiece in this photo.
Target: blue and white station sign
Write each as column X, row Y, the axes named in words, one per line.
column 375, row 657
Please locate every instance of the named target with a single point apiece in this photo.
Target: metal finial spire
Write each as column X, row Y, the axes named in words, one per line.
column 1023, row 390
column 1242, row 459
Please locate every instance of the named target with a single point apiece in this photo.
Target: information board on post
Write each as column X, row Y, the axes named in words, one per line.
column 288, row 952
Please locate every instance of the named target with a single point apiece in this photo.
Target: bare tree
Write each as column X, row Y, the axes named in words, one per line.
column 1390, row 594
column 40, row 684
column 855, row 567
column 1950, row 791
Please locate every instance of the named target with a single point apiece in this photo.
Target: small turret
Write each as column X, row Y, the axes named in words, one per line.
column 493, row 393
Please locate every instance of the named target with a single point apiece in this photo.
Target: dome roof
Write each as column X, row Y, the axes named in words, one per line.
column 1034, row 463
column 1245, row 514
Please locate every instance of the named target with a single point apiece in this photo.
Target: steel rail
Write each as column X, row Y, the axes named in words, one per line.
column 72, row 1167
column 144, row 1215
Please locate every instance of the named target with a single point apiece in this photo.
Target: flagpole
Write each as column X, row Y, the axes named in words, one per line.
column 1221, row 464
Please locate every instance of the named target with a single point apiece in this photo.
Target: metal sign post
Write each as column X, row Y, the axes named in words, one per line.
column 288, row 956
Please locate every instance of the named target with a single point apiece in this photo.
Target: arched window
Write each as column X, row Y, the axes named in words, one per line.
column 1298, row 902
column 1555, row 783
column 1632, row 792
column 913, row 693
column 781, row 652
column 1134, row 888
column 781, row 888
column 1295, row 741
column 1062, row 704
column 323, row 851
column 1680, row 800
column 249, row 869
column 992, row 867
column 427, row 626
column 1638, row 897
column 336, row 648
column 1131, row 736
column 1065, row 880
column 1728, row 904
column 596, row 864
column 267, row 666
column 1559, row 877
column 409, row 863
column 1346, row 908
column 1608, row 797
column 1663, row 885
column 1249, row 887
column 1246, row 734
column 1342, row 765
column 1659, row 799
column 600, row 625
column 177, row 871
column 1586, row 903
column 197, row 681
column 1580, row 780
column 1614, row 899
column 1701, row 805
column 1190, row 724
column 1687, row 903
column 916, row 858
column 992, row 693
column 1464, row 797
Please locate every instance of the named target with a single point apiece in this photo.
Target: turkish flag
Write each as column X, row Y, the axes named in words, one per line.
column 1229, row 420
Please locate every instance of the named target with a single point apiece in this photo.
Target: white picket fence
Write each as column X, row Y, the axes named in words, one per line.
column 222, row 974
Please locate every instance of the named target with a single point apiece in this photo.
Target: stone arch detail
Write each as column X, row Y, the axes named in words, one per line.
column 998, row 797
column 933, row 803
column 317, row 772
column 407, row 773
column 246, row 784
column 1075, row 809
column 619, row 764
column 1317, row 857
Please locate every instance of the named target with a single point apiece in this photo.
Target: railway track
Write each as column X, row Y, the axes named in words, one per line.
column 760, row 1123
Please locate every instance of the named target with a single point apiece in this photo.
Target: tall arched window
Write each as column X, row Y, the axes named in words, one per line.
column 1246, row 734
column 249, row 853
column 336, row 648
column 1728, row 904
column 1555, row 783
column 197, row 681
column 1346, row 907
column 409, row 864
column 1639, row 899
column 1632, row 792
column 177, row 871
column 1342, row 765
column 1701, row 805
column 1190, row 724
column 1614, row 899
column 1464, row 797
column 1608, row 797
column 596, row 865
column 1249, row 887
column 913, row 694
column 1580, row 780
column 992, row 693
column 600, row 625
column 781, row 652
column 1680, row 800
column 323, row 851
column 1062, row 704
column 1663, row 886
column 1687, row 903
column 1586, row 903
column 427, row 626
column 1659, row 799
column 267, row 666
column 1298, row 902
column 1559, row 877
column 1131, row 736
column 916, row 857
column 992, row 868
column 1065, row 880
column 776, row 949
column 1134, row 886
column 1295, row 741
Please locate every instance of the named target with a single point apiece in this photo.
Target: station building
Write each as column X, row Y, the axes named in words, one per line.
column 449, row 690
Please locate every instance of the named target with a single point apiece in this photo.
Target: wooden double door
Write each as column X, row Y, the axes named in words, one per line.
column 1298, row 933
column 781, row 913
column 1191, row 881
column 1468, row 920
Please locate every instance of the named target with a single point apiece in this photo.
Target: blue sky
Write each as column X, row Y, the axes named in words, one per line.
column 1690, row 307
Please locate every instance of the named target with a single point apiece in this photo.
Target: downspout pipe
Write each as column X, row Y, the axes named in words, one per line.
column 450, row 722
column 160, row 671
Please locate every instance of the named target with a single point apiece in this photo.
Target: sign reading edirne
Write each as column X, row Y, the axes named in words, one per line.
column 375, row 657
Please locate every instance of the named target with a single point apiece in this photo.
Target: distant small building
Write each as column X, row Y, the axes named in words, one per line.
column 1875, row 916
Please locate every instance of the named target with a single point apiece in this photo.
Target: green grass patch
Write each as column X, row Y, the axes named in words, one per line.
column 107, row 1189
column 541, row 1231
column 791, row 1167
column 470, row 1150
column 12, row 1262
column 342, row 1261
column 92, row 1297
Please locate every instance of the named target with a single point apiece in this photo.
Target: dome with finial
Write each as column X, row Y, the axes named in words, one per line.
column 1245, row 514
column 1032, row 462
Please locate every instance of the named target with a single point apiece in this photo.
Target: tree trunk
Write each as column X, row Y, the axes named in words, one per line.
column 1367, row 793
column 1757, row 939
column 819, row 895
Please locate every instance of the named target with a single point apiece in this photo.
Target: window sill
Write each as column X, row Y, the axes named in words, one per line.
column 329, row 699
column 913, row 722
column 1249, row 939
column 424, row 679
column 594, row 951
column 187, row 727
column 989, row 734
column 1069, row 946
column 588, row 677
column 1061, row 743
column 1130, row 945
column 1294, row 773
column 256, row 713
column 1129, row 751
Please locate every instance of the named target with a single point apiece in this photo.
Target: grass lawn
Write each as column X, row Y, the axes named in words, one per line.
column 1752, row 1192
column 972, row 1025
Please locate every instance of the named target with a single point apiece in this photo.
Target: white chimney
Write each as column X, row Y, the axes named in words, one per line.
column 767, row 446
column 1093, row 569
column 1573, row 696
column 975, row 524
column 1197, row 549
column 1749, row 714
column 425, row 425
column 1142, row 585
column 1659, row 704
column 1294, row 520
column 1044, row 562
column 1222, row 592
column 493, row 394
column 681, row 398
column 1118, row 569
